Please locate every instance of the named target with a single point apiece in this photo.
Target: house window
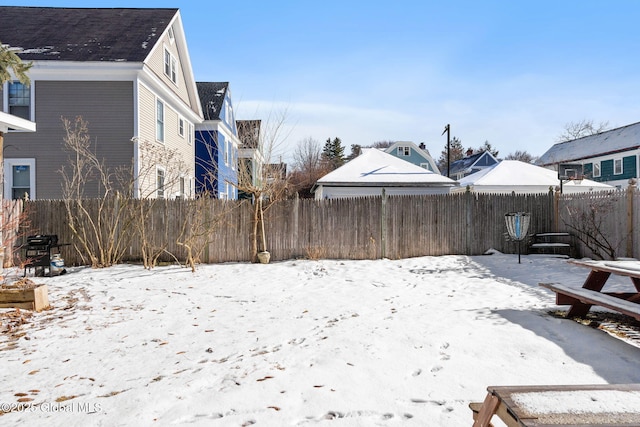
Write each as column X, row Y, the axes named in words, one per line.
column 172, row 36
column 160, row 121
column 182, row 186
column 404, row 151
column 190, row 133
column 181, row 127
column 160, row 183
column 170, row 66
column 426, row 166
column 20, row 178
column 596, row 170
column 617, row 166
column 19, row 100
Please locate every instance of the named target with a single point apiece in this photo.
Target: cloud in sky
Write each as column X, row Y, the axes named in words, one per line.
column 512, row 73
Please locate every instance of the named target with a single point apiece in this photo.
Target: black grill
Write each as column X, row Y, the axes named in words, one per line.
column 38, row 252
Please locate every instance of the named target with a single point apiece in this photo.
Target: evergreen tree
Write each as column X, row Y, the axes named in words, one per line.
column 356, row 150
column 487, row 147
column 456, row 153
column 9, row 60
column 333, row 153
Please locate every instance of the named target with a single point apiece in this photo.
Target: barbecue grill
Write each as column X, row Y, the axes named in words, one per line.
column 38, row 252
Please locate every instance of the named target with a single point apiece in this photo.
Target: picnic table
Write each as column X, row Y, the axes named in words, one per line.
column 582, row 299
column 565, row 405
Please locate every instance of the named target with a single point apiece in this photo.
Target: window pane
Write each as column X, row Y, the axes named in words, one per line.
column 160, row 121
column 21, row 175
column 19, row 100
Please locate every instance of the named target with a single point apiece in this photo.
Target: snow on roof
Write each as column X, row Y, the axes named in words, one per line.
column 514, row 173
column 615, row 140
column 375, row 167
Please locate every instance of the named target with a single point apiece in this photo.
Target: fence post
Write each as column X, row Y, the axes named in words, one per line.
column 383, row 224
column 556, row 210
column 630, row 196
column 296, row 217
column 468, row 220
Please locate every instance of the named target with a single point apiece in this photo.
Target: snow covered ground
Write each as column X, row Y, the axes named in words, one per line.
column 347, row 343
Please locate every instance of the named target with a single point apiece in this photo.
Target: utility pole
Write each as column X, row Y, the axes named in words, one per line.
column 447, row 129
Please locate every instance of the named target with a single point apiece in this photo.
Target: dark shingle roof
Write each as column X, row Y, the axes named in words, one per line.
column 608, row 142
column 211, row 98
column 464, row 163
column 83, row 34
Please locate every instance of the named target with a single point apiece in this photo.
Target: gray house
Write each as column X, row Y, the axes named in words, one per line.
column 125, row 71
column 611, row 157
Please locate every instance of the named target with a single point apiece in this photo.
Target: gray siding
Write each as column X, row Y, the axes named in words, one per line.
column 108, row 108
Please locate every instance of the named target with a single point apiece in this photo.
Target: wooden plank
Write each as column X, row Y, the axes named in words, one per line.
column 20, row 305
column 41, row 298
column 487, row 410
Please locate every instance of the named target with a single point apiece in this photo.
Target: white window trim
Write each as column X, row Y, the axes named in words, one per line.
column 621, row 167
column 190, row 133
column 404, row 151
column 173, row 65
column 599, row 168
column 8, row 181
column 158, row 121
column 164, row 183
column 171, row 34
column 181, row 129
column 32, row 101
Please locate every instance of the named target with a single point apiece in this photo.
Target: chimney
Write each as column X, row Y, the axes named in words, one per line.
column 422, row 146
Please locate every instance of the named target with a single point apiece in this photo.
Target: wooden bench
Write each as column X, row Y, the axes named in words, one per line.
column 555, row 243
column 590, row 294
column 623, row 302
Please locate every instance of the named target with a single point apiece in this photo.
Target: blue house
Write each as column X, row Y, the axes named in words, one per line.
column 410, row 152
column 216, row 170
column 471, row 164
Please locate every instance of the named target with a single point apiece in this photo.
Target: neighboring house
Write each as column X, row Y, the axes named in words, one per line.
column 250, row 156
column 612, row 157
column 127, row 72
column 216, row 143
column 471, row 164
column 516, row 177
column 410, row 152
column 374, row 171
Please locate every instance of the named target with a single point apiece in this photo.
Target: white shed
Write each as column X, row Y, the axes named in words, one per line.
column 374, row 170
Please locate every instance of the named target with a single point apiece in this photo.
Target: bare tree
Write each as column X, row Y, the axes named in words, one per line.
column 308, row 167
column 261, row 185
column 589, row 223
column 159, row 177
column 580, row 129
column 522, row 156
column 101, row 226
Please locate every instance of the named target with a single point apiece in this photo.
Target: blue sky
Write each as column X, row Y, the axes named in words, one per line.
column 510, row 72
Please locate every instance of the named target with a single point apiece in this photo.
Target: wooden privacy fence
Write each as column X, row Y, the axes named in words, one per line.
column 606, row 224
column 364, row 228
